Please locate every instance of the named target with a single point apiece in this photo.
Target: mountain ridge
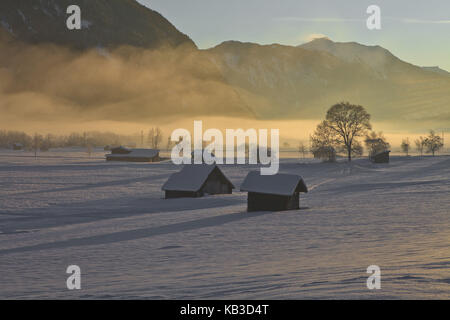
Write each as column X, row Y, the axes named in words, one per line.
column 437, row 69
column 308, row 78
column 105, row 23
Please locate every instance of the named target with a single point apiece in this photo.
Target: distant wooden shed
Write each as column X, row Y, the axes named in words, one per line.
column 133, row 155
column 196, row 180
column 381, row 157
column 17, row 146
column 120, row 150
column 278, row 192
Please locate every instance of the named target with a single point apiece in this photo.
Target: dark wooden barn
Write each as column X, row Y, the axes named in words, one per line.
column 278, row 192
column 119, row 150
column 133, row 155
column 381, row 157
column 17, row 146
column 196, row 180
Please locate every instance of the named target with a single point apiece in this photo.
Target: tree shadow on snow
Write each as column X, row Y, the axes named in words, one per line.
column 96, row 210
column 136, row 234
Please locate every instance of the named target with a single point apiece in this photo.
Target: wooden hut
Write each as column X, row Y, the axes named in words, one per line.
column 119, row 150
column 196, row 180
column 17, row 146
column 133, row 155
column 381, row 157
column 278, row 192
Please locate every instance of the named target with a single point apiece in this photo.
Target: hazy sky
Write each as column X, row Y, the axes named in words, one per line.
column 415, row 31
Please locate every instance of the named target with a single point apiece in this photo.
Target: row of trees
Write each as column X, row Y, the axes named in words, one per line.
column 155, row 139
column 342, row 129
column 430, row 144
column 92, row 139
column 339, row 133
column 45, row 142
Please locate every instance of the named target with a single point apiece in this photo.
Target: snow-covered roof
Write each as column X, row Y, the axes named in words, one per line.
column 279, row 184
column 120, row 150
column 191, row 178
column 137, row 153
column 382, row 152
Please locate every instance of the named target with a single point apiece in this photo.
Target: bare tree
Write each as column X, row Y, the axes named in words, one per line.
column 169, row 143
column 433, row 143
column 89, row 149
column 37, row 141
column 155, row 137
column 405, row 146
column 323, row 143
column 357, row 149
column 158, row 138
column 347, row 122
column 150, row 137
column 85, row 138
column 46, row 143
column 420, row 145
column 302, row 149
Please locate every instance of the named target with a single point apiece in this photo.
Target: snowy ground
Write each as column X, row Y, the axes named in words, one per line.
column 110, row 219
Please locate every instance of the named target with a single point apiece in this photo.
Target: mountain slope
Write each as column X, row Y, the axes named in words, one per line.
column 378, row 59
column 105, row 23
column 438, row 70
column 304, row 81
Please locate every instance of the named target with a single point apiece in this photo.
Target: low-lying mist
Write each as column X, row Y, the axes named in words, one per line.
column 52, row 89
column 54, row 85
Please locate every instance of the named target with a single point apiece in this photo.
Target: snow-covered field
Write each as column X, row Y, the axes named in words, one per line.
column 111, row 220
